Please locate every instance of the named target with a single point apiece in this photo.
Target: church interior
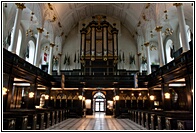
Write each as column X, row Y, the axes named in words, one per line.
column 97, row 66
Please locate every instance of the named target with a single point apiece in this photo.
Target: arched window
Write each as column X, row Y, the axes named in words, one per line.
column 188, row 34
column 169, row 47
column 29, row 55
column 99, row 95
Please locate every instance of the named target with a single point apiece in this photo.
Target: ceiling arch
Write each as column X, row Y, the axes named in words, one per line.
column 129, row 15
column 71, row 13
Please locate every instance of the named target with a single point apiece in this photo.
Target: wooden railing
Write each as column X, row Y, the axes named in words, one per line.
column 184, row 64
column 18, row 67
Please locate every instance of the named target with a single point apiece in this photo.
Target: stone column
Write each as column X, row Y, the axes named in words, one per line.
column 161, row 50
column 59, row 64
column 14, row 38
column 139, row 63
column 37, row 50
column 50, row 58
column 148, row 58
column 182, row 24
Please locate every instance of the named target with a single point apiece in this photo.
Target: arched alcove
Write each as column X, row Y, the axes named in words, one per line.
column 30, row 52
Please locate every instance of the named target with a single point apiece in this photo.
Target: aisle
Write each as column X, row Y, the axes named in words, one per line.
column 96, row 122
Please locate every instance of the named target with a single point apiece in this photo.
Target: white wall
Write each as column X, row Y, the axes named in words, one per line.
column 127, row 44
column 71, row 45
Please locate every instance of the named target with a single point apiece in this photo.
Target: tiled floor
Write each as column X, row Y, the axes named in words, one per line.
column 96, row 122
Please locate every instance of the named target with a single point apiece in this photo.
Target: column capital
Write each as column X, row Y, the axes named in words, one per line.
column 52, row 44
column 177, row 4
column 59, row 54
column 158, row 28
column 139, row 54
column 146, row 44
column 20, row 5
column 40, row 30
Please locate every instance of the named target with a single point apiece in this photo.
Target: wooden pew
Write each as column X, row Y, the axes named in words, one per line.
column 60, row 115
column 52, row 114
column 185, row 124
column 139, row 117
column 153, row 121
column 47, row 119
column 161, row 122
column 143, row 118
column 136, row 116
column 171, row 123
column 35, row 117
column 21, row 120
column 147, row 123
column 56, row 116
column 9, row 123
column 132, row 115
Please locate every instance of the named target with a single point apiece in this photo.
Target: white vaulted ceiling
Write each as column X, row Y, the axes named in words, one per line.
column 71, row 13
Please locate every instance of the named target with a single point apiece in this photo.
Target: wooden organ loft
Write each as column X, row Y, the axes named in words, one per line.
column 99, row 47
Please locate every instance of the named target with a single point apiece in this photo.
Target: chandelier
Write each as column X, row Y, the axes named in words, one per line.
column 169, row 30
column 29, row 30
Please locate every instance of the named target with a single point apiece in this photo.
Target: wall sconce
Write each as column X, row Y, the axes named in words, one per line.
column 152, row 97
column 116, row 97
column 80, row 97
column 4, row 91
column 46, row 97
column 167, row 95
column 31, row 94
column 140, row 94
column 132, row 94
column 83, row 98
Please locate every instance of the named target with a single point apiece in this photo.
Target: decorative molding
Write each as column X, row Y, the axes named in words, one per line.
column 50, row 6
column 146, row 44
column 52, row 44
column 177, row 4
column 20, row 5
column 158, row 28
column 139, row 54
column 147, row 5
column 40, row 30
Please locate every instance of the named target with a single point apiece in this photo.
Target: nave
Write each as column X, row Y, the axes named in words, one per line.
column 98, row 121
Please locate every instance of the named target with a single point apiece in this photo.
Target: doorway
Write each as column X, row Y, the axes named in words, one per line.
column 99, row 102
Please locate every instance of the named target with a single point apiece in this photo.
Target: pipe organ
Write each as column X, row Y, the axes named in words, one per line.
column 99, row 47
